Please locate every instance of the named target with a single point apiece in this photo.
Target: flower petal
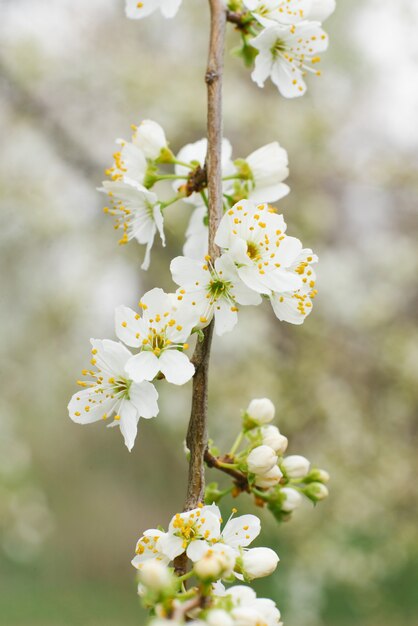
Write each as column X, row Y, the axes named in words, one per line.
column 129, row 327
column 128, row 423
column 176, row 367
column 144, row 397
column 143, row 366
column 241, row 531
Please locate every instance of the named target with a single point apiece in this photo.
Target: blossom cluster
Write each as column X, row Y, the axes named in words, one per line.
column 261, row 467
column 284, row 37
column 215, row 555
column 133, row 178
column 258, row 260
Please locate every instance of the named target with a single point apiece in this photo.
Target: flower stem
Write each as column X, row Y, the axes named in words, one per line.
column 236, row 444
column 197, row 434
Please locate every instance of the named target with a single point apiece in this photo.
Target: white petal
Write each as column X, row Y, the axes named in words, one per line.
column 143, row 366
column 111, row 356
column 144, row 397
column 97, row 406
column 176, row 367
column 171, row 546
column 197, row 550
column 128, row 423
column 241, row 531
column 225, row 318
column 129, row 327
column 187, row 272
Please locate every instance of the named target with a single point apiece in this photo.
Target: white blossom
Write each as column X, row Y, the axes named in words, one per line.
column 148, row 548
column 112, row 392
column 160, row 333
column 198, row 531
column 129, row 161
column 269, row 479
column 261, row 460
column 295, row 306
column 271, row 436
column 215, row 564
column 295, row 466
column 261, row 410
column 292, row 499
column 195, row 154
column 137, row 212
column 286, row 54
column 259, row 562
column 212, row 289
column 138, row 10
column 150, row 138
column 283, row 12
column 254, row 236
column 268, row 168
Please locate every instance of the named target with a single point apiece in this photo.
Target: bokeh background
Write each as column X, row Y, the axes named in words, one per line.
column 73, row 76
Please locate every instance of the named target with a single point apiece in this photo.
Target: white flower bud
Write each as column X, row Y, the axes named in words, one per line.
column 270, row 478
column 261, row 410
column 319, row 475
column 292, row 500
column 261, row 460
column 218, row 617
column 155, row 575
column 259, row 562
column 212, row 566
column 296, row 466
column 150, row 137
column 272, row 437
column 246, row 616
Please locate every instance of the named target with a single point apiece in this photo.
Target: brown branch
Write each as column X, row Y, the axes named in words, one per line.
column 197, row 434
column 239, row 19
column 240, row 479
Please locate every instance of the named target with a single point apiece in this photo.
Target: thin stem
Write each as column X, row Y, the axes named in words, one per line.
column 236, row 444
column 169, row 177
column 197, row 434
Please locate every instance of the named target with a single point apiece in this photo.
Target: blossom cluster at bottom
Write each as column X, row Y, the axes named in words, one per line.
column 181, row 571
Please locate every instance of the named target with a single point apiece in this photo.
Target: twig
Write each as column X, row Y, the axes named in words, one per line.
column 197, row 435
column 240, row 479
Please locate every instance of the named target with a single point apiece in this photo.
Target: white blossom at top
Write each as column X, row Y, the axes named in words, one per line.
column 137, row 212
column 254, row 236
column 113, row 392
column 286, row 54
column 195, row 153
column 295, row 306
column 212, row 289
column 150, row 138
column 321, row 10
column 264, row 171
column 160, row 334
column 284, row 12
column 138, row 10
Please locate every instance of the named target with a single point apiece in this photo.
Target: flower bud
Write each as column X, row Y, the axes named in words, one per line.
column 319, row 475
column 316, row 492
column 272, row 437
column 295, row 466
column 150, row 137
column 292, row 499
column 246, row 616
column 211, row 567
column 155, row 575
column 259, row 562
column 261, row 460
column 269, row 479
column 261, row 410
column 218, row 617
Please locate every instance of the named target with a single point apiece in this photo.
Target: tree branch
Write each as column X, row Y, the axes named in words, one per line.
column 197, row 434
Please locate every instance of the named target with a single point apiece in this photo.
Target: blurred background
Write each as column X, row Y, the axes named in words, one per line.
column 73, row 76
